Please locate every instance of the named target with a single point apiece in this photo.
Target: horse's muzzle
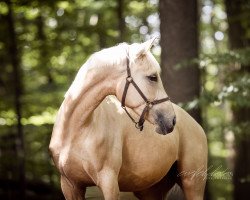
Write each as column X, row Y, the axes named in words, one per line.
column 165, row 124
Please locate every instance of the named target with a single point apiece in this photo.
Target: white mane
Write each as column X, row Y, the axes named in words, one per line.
column 113, row 56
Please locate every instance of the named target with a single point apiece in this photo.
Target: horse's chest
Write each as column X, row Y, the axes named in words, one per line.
column 87, row 156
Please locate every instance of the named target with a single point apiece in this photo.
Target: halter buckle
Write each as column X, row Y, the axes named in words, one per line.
column 138, row 126
column 129, row 79
column 149, row 104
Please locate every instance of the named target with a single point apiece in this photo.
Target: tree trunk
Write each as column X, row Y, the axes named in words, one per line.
column 179, row 43
column 13, row 52
column 121, row 20
column 237, row 40
column 43, row 48
column 101, row 30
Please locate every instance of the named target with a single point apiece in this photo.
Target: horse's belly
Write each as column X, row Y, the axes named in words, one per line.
column 130, row 181
column 141, row 176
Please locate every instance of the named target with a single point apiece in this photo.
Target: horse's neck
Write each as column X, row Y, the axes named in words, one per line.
column 97, row 85
column 87, row 91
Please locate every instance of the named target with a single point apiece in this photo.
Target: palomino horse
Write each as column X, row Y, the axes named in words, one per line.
column 94, row 142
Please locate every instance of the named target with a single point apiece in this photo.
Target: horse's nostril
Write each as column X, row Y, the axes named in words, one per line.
column 174, row 121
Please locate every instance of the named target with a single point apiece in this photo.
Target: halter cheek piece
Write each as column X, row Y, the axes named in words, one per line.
column 149, row 104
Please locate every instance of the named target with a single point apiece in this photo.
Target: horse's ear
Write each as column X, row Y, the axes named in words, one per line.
column 146, row 46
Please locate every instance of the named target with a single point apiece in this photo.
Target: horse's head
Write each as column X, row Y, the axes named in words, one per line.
column 145, row 73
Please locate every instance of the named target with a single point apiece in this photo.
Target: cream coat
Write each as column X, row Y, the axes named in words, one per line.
column 95, row 143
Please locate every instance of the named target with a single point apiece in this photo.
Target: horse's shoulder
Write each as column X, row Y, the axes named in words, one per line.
column 109, row 111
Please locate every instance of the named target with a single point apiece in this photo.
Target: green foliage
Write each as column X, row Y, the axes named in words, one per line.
column 226, row 89
column 54, row 38
column 236, row 82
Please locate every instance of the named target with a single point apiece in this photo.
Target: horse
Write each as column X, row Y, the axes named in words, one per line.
column 97, row 141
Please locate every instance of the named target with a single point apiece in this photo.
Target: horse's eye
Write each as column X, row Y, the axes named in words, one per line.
column 153, row 78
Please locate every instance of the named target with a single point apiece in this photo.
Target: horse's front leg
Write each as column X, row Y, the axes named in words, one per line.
column 108, row 183
column 70, row 191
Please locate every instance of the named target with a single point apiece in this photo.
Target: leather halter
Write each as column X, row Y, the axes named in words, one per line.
column 149, row 104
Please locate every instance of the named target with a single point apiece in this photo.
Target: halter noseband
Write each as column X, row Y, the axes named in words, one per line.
column 149, row 104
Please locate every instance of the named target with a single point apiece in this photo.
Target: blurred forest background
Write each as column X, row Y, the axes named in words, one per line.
column 205, row 57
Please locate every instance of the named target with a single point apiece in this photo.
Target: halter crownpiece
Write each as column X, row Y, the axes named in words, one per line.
column 149, row 104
